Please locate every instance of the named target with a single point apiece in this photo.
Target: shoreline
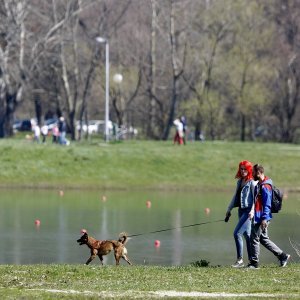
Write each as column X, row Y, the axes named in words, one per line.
column 162, row 188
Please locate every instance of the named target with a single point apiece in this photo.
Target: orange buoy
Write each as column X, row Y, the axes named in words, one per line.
column 157, row 243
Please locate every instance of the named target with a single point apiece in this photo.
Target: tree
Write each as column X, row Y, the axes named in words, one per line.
column 177, row 70
column 212, row 32
column 248, row 54
column 219, row 64
column 13, row 63
column 285, row 104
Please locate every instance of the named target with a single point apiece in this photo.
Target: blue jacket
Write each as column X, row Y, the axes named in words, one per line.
column 246, row 196
column 263, row 200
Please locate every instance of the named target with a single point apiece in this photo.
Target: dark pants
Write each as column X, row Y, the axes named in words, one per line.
column 259, row 236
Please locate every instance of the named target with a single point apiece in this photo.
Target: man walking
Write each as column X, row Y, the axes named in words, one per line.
column 261, row 215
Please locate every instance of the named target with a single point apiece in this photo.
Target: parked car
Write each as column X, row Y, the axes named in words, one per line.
column 94, row 126
column 22, row 125
column 17, row 125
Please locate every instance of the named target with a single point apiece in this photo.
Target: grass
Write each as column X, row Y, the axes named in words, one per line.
column 141, row 164
column 78, row 282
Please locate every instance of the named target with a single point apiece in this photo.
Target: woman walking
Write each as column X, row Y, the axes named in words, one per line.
column 243, row 198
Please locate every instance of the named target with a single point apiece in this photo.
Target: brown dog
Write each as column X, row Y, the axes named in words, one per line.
column 101, row 248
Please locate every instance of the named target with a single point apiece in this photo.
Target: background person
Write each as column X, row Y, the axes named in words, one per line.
column 178, row 138
column 243, row 198
column 55, row 134
column 44, row 132
column 36, row 133
column 62, row 127
column 184, row 128
column 261, row 214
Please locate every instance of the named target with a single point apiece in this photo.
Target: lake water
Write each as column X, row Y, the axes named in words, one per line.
column 105, row 215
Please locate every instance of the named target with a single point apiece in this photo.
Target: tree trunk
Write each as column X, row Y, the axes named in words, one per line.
column 9, row 114
column 38, row 108
column 243, row 127
column 176, row 74
column 152, row 110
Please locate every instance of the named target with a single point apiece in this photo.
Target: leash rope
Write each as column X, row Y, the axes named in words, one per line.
column 185, row 226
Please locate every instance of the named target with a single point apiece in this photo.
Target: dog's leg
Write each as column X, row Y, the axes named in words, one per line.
column 93, row 255
column 125, row 257
column 101, row 259
column 117, row 258
column 90, row 259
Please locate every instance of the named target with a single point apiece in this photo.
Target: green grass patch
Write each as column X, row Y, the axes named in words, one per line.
column 79, row 281
column 142, row 164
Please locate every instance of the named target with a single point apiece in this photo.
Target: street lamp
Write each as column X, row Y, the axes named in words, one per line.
column 102, row 40
column 118, row 78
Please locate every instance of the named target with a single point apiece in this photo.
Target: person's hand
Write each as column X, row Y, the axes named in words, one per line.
column 228, row 214
column 264, row 225
column 251, row 215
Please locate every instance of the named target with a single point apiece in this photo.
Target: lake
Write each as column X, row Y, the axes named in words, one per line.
column 63, row 214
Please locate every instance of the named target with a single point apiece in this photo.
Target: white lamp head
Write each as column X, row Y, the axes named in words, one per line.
column 100, row 39
column 118, row 78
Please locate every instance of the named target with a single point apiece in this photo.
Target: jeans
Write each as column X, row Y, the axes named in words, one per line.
column 259, row 236
column 243, row 228
column 62, row 138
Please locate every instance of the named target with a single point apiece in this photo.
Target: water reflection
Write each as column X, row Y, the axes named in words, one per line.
column 17, row 242
column 62, row 248
column 62, row 218
column 177, row 251
column 104, row 223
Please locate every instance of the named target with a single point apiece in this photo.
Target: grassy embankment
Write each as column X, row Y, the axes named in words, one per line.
column 140, row 164
column 143, row 165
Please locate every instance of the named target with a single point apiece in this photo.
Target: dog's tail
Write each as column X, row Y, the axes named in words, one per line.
column 123, row 237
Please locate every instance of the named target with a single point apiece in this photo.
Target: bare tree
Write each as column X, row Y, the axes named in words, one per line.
column 204, row 59
column 201, row 82
column 177, row 70
column 12, row 60
column 72, row 55
column 29, row 35
column 152, row 75
column 287, row 84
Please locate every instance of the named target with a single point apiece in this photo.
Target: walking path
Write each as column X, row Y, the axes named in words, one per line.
column 161, row 294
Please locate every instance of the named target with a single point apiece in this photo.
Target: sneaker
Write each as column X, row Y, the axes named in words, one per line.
column 252, row 266
column 238, row 264
column 284, row 259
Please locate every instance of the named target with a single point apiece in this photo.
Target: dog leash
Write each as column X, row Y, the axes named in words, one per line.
column 168, row 229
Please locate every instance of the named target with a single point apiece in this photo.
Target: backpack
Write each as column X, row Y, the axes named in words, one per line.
column 276, row 200
column 277, row 197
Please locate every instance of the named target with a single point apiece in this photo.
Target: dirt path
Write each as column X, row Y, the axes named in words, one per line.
column 165, row 294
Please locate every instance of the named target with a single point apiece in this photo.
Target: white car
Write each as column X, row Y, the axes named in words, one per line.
column 50, row 123
column 93, row 127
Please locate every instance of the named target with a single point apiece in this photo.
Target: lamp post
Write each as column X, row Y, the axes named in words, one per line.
column 104, row 40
